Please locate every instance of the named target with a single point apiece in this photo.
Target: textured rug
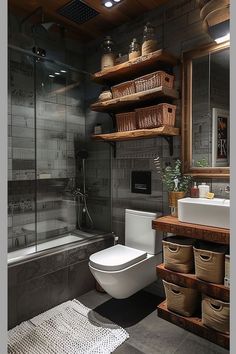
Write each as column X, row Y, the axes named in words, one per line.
column 70, row 328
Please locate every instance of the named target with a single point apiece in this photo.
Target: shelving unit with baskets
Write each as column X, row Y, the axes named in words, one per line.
column 143, row 94
column 217, row 291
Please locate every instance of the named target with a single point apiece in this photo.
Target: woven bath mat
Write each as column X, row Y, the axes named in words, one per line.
column 70, row 328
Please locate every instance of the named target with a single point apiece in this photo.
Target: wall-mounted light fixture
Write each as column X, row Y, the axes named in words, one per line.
column 110, row 3
column 215, row 17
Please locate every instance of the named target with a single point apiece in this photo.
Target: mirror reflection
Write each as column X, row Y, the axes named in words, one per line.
column 210, row 110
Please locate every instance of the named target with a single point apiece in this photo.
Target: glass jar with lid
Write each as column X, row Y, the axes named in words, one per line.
column 149, row 39
column 108, row 56
column 134, row 49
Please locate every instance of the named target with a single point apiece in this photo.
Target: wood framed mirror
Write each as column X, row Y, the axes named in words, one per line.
column 205, row 111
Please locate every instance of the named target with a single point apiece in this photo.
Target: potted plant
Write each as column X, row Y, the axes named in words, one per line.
column 176, row 183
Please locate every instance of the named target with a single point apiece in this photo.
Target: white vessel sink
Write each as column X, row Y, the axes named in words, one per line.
column 209, row 212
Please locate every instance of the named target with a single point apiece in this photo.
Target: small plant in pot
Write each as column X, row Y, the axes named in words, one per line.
column 176, row 183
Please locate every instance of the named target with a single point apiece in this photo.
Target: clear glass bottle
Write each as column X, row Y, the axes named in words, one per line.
column 108, row 56
column 149, row 40
column 134, row 49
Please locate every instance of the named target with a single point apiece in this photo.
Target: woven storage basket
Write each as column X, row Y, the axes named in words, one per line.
column 156, row 79
column 123, row 89
column 126, row 121
column 184, row 301
column 215, row 314
column 178, row 254
column 209, row 262
column 156, row 116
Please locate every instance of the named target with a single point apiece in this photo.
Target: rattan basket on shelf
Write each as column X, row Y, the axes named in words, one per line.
column 156, row 116
column 126, row 121
column 123, row 89
column 153, row 80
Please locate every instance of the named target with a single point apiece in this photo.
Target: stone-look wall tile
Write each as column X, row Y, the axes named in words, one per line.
column 32, row 298
column 12, row 307
column 43, row 283
column 39, row 267
column 80, row 279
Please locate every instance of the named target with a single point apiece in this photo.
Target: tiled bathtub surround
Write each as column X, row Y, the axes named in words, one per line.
column 41, row 283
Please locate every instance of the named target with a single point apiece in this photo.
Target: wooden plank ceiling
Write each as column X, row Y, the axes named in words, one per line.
column 99, row 25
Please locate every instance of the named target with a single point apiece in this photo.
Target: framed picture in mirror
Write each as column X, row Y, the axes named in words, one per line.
column 220, row 137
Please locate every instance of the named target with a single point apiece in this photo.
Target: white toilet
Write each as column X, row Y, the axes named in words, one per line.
column 124, row 270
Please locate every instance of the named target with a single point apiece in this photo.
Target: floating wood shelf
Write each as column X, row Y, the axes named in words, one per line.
column 207, row 233
column 137, row 134
column 135, row 67
column 217, row 291
column 131, row 101
column 194, row 325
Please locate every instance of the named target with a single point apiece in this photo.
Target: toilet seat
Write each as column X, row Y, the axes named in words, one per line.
column 116, row 258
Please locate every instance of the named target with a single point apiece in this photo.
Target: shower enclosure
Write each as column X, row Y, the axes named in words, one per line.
column 48, row 194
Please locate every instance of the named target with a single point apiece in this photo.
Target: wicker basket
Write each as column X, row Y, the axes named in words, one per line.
column 123, row 89
column 215, row 314
column 178, row 254
column 126, row 121
column 156, row 79
column 156, row 116
column 209, row 262
column 184, row 301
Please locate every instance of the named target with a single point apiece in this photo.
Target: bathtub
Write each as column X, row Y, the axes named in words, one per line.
column 47, row 246
column 43, row 276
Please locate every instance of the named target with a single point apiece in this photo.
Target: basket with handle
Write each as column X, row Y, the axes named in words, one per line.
column 153, row 80
column 178, row 254
column 156, row 116
column 184, row 301
column 209, row 264
column 215, row 314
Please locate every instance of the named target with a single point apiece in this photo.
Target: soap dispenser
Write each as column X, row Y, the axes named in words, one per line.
column 203, row 190
column 194, row 193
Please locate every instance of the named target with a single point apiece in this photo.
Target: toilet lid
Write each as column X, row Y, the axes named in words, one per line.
column 116, row 258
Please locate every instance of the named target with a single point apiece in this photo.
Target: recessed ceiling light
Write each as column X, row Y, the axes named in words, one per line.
column 108, row 4
column 63, row 71
column 56, row 73
column 223, row 39
column 117, row 0
column 51, row 75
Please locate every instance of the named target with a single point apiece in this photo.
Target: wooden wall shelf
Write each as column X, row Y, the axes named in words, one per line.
column 217, row 291
column 166, row 132
column 135, row 67
column 131, row 101
column 207, row 233
column 137, row 134
column 194, row 325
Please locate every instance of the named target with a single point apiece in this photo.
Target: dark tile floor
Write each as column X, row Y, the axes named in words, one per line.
column 149, row 334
